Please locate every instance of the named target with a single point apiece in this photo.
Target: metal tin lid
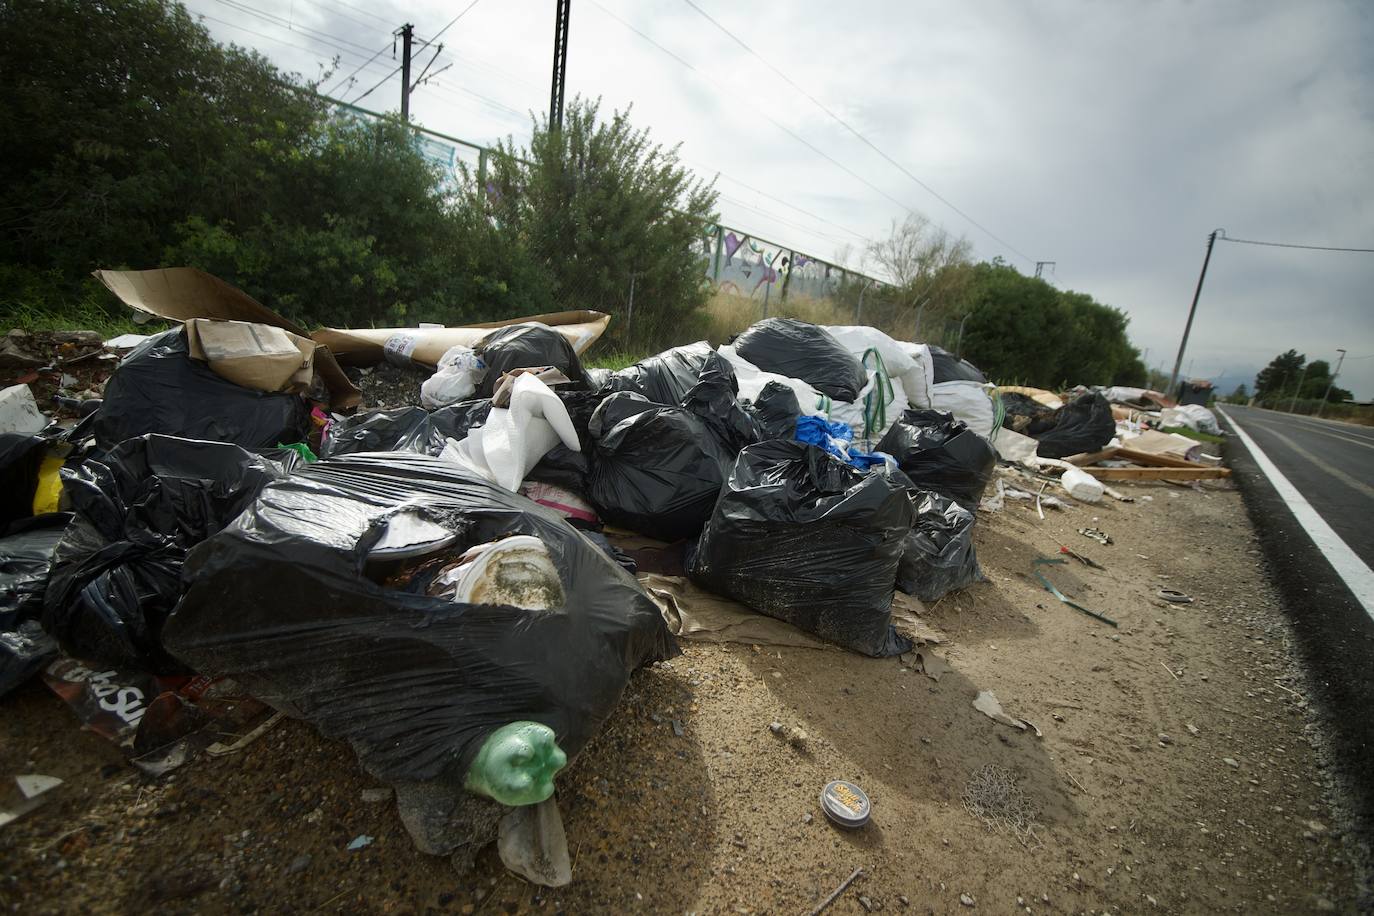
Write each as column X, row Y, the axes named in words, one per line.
column 845, row 803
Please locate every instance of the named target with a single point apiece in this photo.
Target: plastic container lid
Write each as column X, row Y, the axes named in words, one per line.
column 407, row 535
column 845, row 804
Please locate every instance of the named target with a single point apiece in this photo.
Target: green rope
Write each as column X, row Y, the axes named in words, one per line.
column 875, row 408
column 999, row 413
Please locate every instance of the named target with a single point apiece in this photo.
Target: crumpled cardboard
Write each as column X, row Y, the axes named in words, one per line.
column 185, row 294
column 253, row 355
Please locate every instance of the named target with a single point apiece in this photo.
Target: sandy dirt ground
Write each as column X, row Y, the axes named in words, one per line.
column 1179, row 769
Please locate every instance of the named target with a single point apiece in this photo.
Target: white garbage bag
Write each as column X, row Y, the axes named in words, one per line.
column 751, row 380
column 968, row 401
column 460, row 371
column 1193, row 416
column 908, row 362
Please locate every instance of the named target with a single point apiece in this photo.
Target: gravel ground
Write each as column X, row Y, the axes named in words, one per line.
column 1179, row 769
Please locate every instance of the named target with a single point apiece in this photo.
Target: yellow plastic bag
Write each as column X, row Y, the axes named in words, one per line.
column 49, row 489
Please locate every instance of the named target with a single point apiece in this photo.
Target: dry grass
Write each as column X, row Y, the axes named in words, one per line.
column 993, row 797
column 728, row 314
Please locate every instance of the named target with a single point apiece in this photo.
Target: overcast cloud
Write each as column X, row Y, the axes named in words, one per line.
column 1109, row 138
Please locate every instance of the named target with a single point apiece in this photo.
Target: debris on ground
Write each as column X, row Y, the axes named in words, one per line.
column 497, row 549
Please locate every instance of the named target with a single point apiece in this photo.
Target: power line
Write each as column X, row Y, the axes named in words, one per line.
column 858, row 235
column 436, row 35
column 290, row 27
column 353, row 19
column 643, row 36
column 360, row 67
column 787, row 130
column 1227, row 238
column 289, row 44
column 869, row 143
column 377, row 85
column 359, row 9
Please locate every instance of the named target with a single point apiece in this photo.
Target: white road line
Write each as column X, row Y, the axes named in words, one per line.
column 1332, row 426
column 1354, row 572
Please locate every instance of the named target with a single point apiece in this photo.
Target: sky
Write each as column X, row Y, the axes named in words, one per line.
column 1107, row 138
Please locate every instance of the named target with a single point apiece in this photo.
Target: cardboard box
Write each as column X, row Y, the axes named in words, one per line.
column 255, row 356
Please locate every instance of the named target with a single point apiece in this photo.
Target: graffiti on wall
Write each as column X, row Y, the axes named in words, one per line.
column 737, row 263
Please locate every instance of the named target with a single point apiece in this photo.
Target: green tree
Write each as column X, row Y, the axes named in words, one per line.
column 1281, row 376
column 1012, row 325
column 1021, row 328
column 134, row 140
column 596, row 203
column 1239, row 396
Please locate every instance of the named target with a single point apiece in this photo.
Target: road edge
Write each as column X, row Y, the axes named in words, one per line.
column 1342, row 727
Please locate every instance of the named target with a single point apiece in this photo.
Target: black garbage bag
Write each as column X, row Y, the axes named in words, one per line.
column 26, row 556
column 26, row 553
column 655, row 469
column 664, row 378
column 159, row 388
column 714, row 398
column 282, row 601
column 801, row 536
column 519, row 346
column 937, row 554
column 404, row 429
column 397, row 429
column 942, row 454
column 777, row 410
column 1083, row 425
column 562, row 466
column 799, row 349
column 20, row 458
column 946, row 367
column 1024, row 414
column 117, row 571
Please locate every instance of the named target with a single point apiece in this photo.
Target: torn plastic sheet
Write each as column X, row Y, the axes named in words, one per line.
column 513, row 440
column 1049, row 587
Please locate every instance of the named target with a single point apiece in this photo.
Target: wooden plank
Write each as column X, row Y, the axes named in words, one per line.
column 1092, row 457
column 1190, row 473
column 1154, row 460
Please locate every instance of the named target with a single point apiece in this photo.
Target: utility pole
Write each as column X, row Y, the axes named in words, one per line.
column 407, row 33
column 1187, row 328
column 560, row 64
column 1040, row 267
column 1298, row 390
column 1333, row 381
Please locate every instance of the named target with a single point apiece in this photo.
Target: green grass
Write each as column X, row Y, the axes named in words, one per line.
column 1193, row 434
column 37, row 300
column 612, row 359
column 82, row 317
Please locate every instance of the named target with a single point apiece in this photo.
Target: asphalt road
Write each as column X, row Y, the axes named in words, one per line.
column 1332, row 466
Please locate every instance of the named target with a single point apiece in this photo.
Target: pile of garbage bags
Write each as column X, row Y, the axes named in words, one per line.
column 437, row 586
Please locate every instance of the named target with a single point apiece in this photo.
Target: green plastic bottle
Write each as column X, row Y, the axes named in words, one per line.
column 516, row 764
